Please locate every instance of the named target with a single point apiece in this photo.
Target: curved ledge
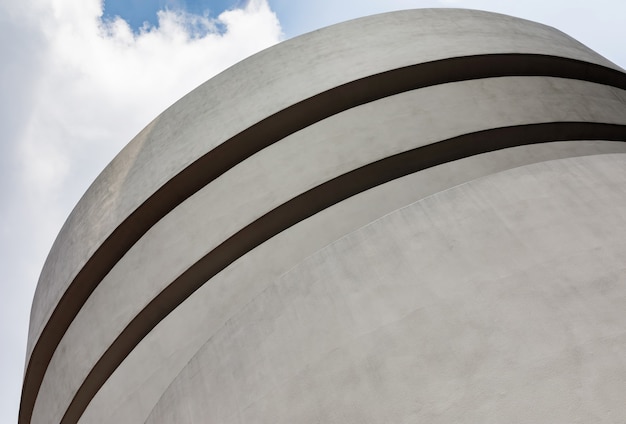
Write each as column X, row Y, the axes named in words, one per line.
column 311, row 202
column 268, row 131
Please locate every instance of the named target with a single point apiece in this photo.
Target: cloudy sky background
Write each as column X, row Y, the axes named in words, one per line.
column 79, row 79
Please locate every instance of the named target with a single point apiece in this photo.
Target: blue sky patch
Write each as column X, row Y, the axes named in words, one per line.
column 136, row 12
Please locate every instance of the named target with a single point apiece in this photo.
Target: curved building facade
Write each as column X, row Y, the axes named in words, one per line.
column 414, row 216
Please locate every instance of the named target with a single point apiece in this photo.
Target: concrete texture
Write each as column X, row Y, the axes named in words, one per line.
column 187, row 240
column 500, row 300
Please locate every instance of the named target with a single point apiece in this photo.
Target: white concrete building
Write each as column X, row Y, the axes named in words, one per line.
column 418, row 216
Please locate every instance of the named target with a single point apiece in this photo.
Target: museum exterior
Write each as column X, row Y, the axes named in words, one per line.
column 418, row 216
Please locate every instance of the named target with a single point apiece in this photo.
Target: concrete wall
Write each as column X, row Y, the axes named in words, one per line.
column 499, row 300
column 180, row 246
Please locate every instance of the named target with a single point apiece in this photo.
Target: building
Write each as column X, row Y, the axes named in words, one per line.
column 412, row 217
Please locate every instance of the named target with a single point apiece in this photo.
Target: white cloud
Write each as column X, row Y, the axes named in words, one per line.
column 104, row 83
column 75, row 92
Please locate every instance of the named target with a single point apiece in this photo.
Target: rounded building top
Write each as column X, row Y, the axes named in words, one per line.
column 259, row 102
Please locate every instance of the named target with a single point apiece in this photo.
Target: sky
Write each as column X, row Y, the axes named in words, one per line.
column 79, row 78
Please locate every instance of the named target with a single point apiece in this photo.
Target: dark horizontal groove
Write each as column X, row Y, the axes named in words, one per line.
column 310, row 203
column 265, row 133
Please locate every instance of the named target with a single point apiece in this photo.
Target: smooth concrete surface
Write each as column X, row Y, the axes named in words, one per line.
column 135, row 387
column 280, row 172
column 263, row 85
column 101, row 343
column 500, row 300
